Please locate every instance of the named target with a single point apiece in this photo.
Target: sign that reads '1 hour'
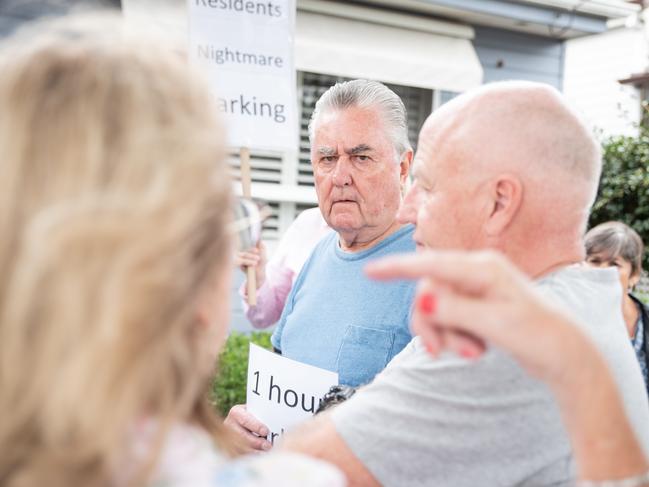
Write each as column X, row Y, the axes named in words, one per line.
column 246, row 48
column 281, row 392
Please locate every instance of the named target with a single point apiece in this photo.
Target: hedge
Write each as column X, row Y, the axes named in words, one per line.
column 229, row 384
column 623, row 193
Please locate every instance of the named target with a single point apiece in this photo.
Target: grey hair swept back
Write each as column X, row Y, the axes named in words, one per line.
column 364, row 93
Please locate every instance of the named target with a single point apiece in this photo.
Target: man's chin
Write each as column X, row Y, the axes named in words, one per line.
column 344, row 222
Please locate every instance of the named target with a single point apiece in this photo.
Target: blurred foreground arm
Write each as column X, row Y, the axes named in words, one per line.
column 457, row 287
column 319, row 439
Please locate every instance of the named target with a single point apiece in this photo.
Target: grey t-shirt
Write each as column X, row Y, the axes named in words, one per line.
column 450, row 422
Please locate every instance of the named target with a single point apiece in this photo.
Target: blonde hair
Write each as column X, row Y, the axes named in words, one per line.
column 114, row 200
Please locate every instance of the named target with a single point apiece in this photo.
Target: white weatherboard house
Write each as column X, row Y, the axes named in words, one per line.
column 606, row 74
column 426, row 50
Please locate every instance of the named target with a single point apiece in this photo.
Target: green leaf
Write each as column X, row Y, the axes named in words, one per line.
column 624, row 187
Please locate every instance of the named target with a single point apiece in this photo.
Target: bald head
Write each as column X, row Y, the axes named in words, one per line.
column 507, row 166
column 523, row 128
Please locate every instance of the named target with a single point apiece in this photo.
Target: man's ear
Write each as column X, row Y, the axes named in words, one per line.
column 404, row 166
column 506, row 198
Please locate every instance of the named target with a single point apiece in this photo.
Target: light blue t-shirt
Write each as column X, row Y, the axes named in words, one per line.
column 338, row 319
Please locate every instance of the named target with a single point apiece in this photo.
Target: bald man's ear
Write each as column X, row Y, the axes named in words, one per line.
column 506, row 198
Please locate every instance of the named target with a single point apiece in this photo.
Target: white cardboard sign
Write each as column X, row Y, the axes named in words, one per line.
column 282, row 392
column 246, row 50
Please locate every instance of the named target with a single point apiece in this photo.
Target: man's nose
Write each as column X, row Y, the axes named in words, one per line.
column 342, row 175
column 408, row 210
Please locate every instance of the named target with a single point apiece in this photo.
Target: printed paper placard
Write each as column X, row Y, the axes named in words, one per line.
column 246, row 49
column 281, row 392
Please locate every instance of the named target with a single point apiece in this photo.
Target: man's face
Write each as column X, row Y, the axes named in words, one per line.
column 444, row 201
column 357, row 173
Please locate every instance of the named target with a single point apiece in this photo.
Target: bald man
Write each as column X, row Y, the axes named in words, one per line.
column 506, row 167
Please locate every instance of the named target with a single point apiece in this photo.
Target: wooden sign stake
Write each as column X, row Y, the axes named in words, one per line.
column 246, row 181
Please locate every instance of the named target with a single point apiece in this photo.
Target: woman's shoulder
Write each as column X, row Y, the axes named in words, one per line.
column 286, row 469
column 642, row 306
column 190, row 458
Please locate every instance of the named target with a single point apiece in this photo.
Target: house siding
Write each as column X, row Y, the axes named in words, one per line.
column 593, row 67
column 506, row 55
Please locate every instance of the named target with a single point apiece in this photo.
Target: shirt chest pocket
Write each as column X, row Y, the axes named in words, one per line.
column 363, row 353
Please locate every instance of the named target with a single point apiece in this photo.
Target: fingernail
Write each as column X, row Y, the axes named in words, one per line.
column 263, row 432
column 266, row 446
column 469, row 353
column 427, row 303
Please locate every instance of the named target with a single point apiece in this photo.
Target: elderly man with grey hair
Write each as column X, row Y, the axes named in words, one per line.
column 335, row 317
column 508, row 167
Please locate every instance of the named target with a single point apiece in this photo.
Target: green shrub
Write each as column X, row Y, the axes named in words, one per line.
column 229, row 384
column 624, row 188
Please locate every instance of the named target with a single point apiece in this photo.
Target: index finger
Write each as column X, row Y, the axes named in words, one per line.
column 471, row 271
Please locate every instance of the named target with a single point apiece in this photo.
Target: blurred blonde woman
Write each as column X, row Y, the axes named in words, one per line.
column 115, row 261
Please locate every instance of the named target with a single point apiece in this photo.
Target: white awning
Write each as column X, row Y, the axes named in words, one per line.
column 356, row 48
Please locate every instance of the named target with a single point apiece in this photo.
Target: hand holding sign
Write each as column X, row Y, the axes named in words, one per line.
column 282, row 392
column 253, row 257
column 249, row 429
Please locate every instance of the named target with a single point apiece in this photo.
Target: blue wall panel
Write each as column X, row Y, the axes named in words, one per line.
column 512, row 55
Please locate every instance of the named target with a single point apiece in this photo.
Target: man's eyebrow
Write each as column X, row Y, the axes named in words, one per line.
column 359, row 149
column 326, row 151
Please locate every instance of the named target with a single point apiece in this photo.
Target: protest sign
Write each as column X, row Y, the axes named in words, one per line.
column 282, row 392
column 246, row 49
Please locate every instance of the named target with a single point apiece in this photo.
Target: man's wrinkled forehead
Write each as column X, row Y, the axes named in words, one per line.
column 328, row 151
column 352, row 131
